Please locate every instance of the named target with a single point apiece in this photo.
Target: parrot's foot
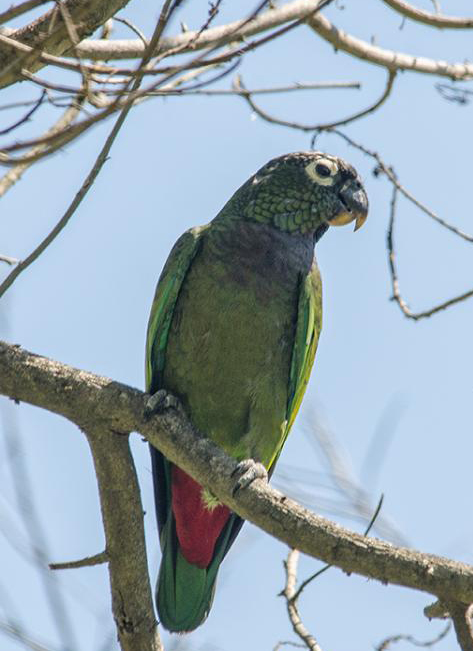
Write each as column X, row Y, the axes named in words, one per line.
column 246, row 472
column 159, row 401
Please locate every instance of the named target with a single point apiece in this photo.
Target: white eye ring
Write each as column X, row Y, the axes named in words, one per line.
column 322, row 179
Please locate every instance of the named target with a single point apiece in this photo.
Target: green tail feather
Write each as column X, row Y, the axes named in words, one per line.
column 184, row 592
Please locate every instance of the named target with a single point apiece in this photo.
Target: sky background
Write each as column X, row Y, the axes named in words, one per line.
column 393, row 396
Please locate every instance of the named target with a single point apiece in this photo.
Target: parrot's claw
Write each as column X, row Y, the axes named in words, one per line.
column 159, row 401
column 246, row 472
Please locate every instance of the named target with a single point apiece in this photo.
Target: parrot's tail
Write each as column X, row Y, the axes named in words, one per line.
column 197, row 534
column 184, row 592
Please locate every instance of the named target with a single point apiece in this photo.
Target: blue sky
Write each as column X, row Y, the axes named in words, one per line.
column 86, row 303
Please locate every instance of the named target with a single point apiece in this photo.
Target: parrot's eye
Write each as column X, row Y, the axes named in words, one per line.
column 322, row 171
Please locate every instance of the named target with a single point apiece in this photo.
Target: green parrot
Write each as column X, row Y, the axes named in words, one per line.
column 232, row 334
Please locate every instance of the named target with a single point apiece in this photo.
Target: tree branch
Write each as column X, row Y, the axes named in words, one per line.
column 241, row 90
column 49, row 33
column 190, row 41
column 16, row 172
column 461, row 618
column 20, row 9
column 8, row 259
column 289, row 593
column 122, row 515
column 396, row 292
column 433, row 20
column 386, row 58
column 89, row 561
column 96, row 403
column 394, row 639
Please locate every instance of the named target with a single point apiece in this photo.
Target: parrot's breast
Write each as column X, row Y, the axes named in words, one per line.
column 231, row 339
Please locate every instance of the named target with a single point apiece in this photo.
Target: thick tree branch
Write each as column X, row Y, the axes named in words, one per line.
column 386, row 58
column 190, row 41
column 122, row 515
column 49, row 33
column 124, row 49
column 461, row 617
column 99, row 404
column 433, row 20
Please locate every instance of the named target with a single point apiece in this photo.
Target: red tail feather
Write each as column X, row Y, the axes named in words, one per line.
column 197, row 526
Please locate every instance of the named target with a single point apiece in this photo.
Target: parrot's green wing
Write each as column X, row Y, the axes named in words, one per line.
column 309, row 325
column 162, row 310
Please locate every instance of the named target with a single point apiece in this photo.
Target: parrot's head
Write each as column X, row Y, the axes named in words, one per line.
column 304, row 192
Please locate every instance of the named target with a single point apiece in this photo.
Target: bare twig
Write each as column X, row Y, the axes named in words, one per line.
column 314, row 576
column 133, row 28
column 433, row 20
column 289, row 591
column 387, row 170
column 127, row 97
column 8, row 260
column 50, row 85
column 26, row 117
column 19, row 10
column 246, row 94
column 394, row 639
column 84, row 189
column 89, row 561
column 15, row 105
column 16, row 172
column 323, row 85
column 297, row 645
column 396, row 294
column 292, row 595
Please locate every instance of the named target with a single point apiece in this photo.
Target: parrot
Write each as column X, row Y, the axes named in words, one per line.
column 232, row 334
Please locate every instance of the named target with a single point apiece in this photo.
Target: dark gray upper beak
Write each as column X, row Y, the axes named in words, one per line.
column 355, row 204
column 354, row 197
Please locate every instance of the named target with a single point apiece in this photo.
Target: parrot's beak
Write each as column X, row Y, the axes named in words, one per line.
column 355, row 205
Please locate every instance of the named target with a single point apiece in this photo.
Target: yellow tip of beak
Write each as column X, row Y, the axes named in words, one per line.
column 360, row 220
column 347, row 217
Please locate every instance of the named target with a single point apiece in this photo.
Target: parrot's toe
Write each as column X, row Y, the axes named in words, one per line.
column 159, row 401
column 246, row 472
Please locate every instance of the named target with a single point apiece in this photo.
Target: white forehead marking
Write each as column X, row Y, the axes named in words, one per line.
column 322, row 180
